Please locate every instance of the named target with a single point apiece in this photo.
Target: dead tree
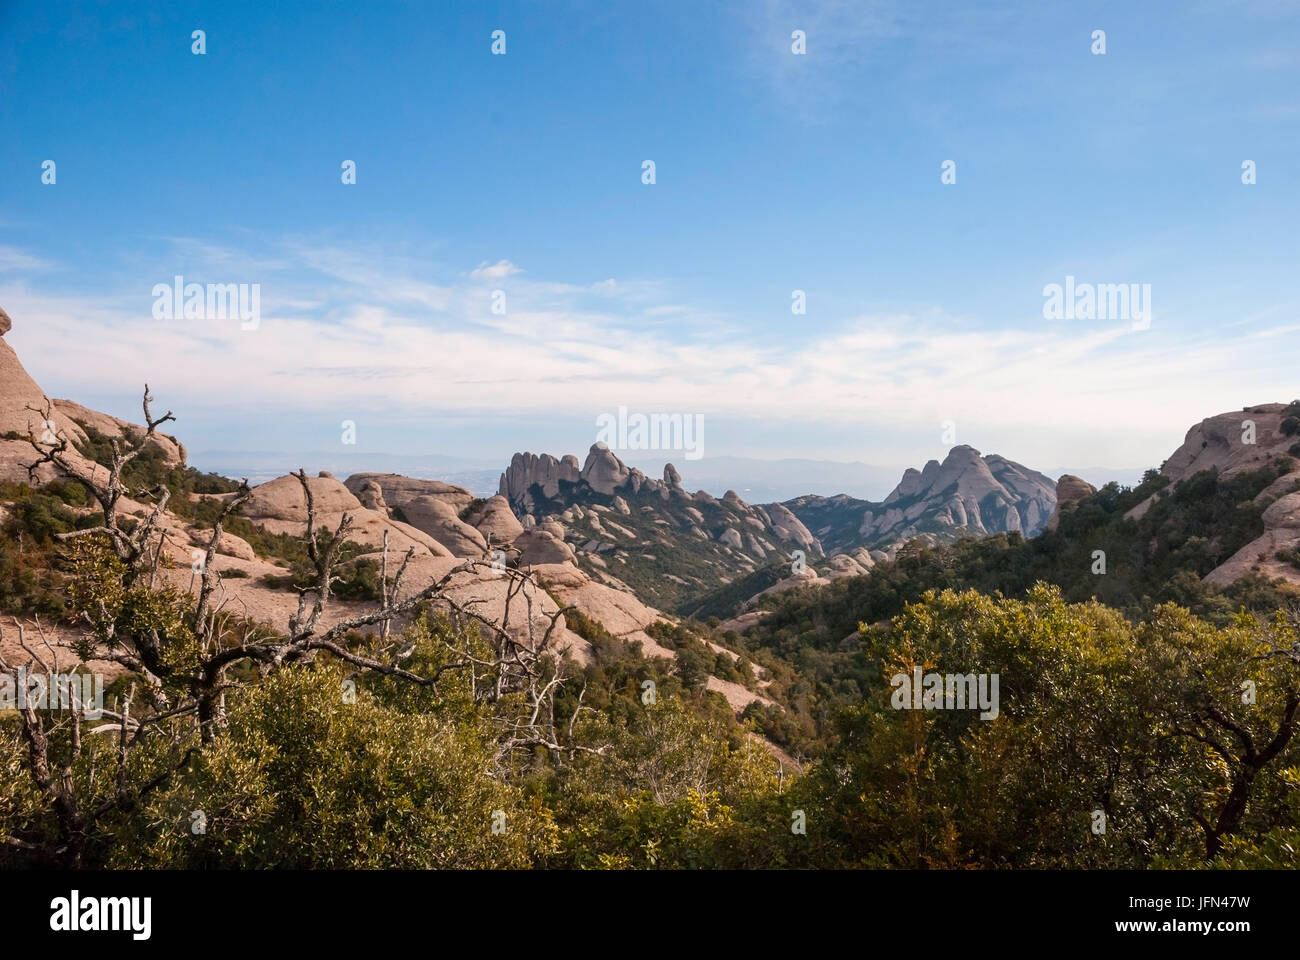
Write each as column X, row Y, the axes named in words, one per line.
column 130, row 547
column 78, row 808
column 520, row 661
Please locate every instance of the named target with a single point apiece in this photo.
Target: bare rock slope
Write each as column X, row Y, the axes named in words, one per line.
column 648, row 535
column 22, row 413
column 1242, row 440
column 964, row 495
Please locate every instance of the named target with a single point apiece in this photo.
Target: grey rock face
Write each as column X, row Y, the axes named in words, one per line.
column 603, row 471
column 545, row 471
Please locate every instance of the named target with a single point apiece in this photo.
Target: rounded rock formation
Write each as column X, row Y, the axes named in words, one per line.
column 496, row 521
column 538, row 546
column 603, row 471
column 398, row 490
column 438, row 519
column 1069, row 491
column 371, row 496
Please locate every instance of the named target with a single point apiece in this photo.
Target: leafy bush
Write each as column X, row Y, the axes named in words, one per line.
column 303, row 780
column 355, row 580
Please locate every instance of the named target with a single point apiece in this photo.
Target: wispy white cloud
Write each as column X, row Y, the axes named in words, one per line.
column 348, row 330
column 13, row 259
column 839, row 36
column 494, row 271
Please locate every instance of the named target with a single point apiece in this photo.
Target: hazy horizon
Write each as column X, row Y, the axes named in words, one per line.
column 757, row 480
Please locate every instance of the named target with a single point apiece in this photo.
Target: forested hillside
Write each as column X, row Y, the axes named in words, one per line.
column 1159, row 557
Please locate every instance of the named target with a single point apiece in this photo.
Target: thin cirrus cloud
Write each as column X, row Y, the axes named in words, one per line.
column 13, row 260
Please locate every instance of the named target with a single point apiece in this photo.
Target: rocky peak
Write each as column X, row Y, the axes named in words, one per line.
column 527, row 470
column 18, row 391
column 965, row 494
column 496, row 521
column 603, row 471
column 907, row 486
column 1069, row 491
column 617, row 523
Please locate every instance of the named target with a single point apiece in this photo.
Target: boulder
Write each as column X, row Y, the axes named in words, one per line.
column 230, row 545
column 371, row 496
column 496, row 521
column 279, row 505
column 538, row 546
column 790, row 528
column 397, row 490
column 437, row 517
column 282, row 499
column 1217, row 443
column 1069, row 491
column 618, row 610
column 845, row 565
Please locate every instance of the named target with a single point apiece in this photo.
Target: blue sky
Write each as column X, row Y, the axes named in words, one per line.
column 774, row 172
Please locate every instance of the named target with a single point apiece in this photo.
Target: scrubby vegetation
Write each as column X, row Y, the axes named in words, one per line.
column 1140, row 698
column 151, row 468
column 357, row 579
column 1144, row 723
column 727, row 599
column 30, row 578
column 807, row 634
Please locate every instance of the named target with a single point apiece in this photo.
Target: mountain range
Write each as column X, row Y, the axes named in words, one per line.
column 625, row 549
column 965, row 494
